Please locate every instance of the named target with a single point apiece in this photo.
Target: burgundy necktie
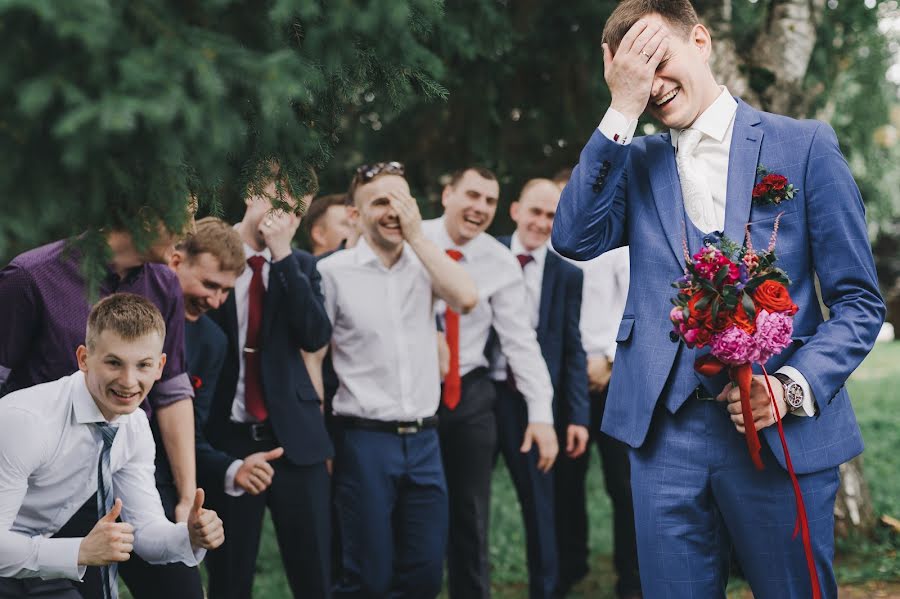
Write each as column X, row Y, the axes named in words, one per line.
column 510, row 378
column 452, row 381
column 253, row 391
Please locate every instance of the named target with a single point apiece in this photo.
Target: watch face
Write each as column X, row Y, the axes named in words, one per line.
column 794, row 395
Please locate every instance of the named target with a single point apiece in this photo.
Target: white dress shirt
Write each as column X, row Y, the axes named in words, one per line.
column 534, row 280
column 717, row 124
column 383, row 342
column 603, row 301
column 49, row 452
column 502, row 305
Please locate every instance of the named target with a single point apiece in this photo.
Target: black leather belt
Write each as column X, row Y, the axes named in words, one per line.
column 398, row 427
column 256, row 431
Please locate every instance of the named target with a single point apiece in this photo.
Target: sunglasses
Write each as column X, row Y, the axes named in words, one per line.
column 367, row 172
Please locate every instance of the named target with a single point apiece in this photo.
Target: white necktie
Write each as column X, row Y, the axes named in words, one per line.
column 698, row 202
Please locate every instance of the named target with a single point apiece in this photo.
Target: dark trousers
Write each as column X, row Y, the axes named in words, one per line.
column 162, row 581
column 571, row 511
column 468, row 446
column 534, row 489
column 391, row 501
column 299, row 503
column 91, row 587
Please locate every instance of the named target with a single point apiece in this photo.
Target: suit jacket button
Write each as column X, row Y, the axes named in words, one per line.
column 673, row 336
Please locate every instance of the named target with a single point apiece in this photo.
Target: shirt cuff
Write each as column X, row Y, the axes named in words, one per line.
column 182, row 550
column 231, row 488
column 617, row 127
column 58, row 558
column 540, row 412
column 171, row 390
column 809, row 402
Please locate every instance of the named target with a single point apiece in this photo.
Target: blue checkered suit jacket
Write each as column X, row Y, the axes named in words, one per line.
column 631, row 195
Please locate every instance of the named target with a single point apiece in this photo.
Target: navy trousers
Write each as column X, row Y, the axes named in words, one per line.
column 391, row 502
column 696, row 493
column 535, row 491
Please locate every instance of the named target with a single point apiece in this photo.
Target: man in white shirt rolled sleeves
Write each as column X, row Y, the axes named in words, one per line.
column 468, row 426
column 78, row 450
column 390, row 493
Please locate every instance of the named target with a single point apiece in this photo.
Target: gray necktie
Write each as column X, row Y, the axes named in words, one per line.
column 105, row 502
column 698, row 201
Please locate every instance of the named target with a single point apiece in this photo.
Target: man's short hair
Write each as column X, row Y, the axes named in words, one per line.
column 216, row 237
column 319, row 207
column 535, row 182
column 484, row 173
column 288, row 179
column 367, row 173
column 678, row 13
column 128, row 315
column 562, row 176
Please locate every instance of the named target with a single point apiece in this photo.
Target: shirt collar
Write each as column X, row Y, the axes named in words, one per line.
column 249, row 252
column 469, row 250
column 539, row 255
column 715, row 120
column 84, row 406
column 365, row 255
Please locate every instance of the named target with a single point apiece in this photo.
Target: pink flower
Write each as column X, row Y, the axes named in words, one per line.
column 773, row 333
column 735, row 346
column 677, row 314
column 690, row 335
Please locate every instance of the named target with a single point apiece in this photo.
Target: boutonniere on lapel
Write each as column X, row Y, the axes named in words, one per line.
column 773, row 188
column 196, row 382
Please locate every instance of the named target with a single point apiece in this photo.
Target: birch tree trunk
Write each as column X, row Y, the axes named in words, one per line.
column 771, row 78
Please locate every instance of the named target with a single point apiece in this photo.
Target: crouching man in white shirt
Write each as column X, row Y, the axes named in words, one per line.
column 77, row 492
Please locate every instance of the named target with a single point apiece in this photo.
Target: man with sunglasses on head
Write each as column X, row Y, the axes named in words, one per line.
column 390, row 493
column 468, row 427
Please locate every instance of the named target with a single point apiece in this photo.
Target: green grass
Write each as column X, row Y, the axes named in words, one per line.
column 874, row 388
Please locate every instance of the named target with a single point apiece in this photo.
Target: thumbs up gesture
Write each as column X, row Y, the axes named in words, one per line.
column 109, row 541
column 204, row 526
column 255, row 474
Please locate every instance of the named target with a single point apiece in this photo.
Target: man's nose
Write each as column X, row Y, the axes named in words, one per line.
column 128, row 379
column 656, row 89
column 217, row 299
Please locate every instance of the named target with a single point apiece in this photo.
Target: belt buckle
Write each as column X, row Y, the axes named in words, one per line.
column 410, row 429
column 257, row 431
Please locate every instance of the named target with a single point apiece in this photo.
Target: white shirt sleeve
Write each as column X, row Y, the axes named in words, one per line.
column 22, row 556
column 231, row 488
column 156, row 539
column 809, row 402
column 616, row 127
column 518, row 341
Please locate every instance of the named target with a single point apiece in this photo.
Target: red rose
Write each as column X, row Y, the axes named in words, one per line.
column 776, row 182
column 760, row 190
column 774, row 297
column 700, row 316
column 196, row 381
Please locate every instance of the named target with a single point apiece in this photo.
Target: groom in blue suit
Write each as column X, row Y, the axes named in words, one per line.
column 696, row 491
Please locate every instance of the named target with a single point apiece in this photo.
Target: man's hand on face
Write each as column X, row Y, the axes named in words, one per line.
column 204, row 526
column 277, row 230
column 760, row 405
column 630, row 72
column 255, row 474
column 408, row 214
column 543, row 435
column 109, row 541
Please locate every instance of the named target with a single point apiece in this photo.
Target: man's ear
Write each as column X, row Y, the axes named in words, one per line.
column 81, row 357
column 514, row 211
column 176, row 259
column 702, row 40
column 315, row 234
column 162, row 364
column 445, row 195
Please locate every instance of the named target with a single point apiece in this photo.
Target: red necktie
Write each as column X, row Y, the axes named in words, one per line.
column 510, row 377
column 452, row 382
column 253, row 391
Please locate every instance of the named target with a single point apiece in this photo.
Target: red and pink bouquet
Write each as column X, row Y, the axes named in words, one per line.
column 734, row 299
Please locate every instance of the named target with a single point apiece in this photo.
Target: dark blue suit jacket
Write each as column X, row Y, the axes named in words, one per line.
column 559, row 336
column 294, row 319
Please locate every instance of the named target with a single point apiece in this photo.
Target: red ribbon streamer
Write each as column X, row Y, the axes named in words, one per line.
column 708, row 366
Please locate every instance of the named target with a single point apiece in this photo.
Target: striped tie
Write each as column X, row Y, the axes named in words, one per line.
column 105, row 503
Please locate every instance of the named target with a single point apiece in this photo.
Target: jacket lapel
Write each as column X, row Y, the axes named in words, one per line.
column 746, row 140
column 666, row 188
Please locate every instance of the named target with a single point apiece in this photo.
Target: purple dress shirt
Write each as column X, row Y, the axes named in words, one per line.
column 44, row 310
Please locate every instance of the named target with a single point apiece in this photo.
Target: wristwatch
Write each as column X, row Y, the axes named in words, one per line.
column 793, row 392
